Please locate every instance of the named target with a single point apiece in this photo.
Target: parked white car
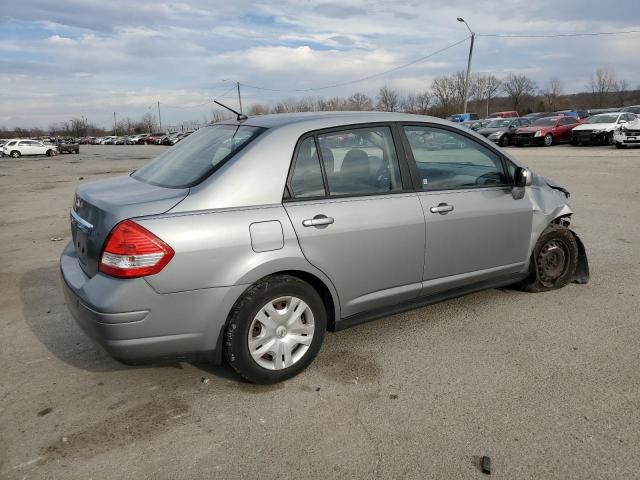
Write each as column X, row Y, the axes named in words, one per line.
column 627, row 134
column 19, row 147
column 598, row 129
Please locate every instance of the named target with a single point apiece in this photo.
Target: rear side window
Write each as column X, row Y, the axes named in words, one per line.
column 197, row 156
column 360, row 161
column 447, row 160
column 306, row 180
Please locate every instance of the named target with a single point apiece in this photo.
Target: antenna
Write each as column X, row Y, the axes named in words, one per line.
column 239, row 116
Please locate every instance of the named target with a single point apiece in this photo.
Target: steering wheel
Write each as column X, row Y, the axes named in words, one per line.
column 490, row 178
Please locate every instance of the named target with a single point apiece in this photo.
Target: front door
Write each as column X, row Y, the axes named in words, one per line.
column 475, row 229
column 355, row 219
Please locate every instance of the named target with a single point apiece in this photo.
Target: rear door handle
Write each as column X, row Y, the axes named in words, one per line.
column 442, row 209
column 317, row 221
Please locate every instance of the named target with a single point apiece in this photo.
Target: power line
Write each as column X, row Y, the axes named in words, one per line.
column 185, row 107
column 358, row 80
column 555, row 35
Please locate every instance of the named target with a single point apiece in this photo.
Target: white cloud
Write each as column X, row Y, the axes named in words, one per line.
column 97, row 57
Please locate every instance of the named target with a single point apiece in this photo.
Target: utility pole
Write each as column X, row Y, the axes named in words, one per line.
column 466, row 79
column 239, row 97
column 159, row 118
column 114, row 123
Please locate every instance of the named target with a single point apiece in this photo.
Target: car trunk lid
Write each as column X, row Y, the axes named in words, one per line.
column 99, row 206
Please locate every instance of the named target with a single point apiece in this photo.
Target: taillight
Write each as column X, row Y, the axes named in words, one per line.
column 133, row 251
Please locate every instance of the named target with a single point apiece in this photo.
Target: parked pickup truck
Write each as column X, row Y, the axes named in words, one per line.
column 67, row 145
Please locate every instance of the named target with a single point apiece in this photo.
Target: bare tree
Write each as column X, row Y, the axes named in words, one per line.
column 552, row 94
column 443, row 90
column 388, row 99
column 149, row 122
column 258, row 109
column 621, row 88
column 360, row 101
column 601, row 83
column 492, row 85
column 518, row 88
column 458, row 81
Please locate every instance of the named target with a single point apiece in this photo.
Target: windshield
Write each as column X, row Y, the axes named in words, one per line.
column 544, row 122
column 196, row 157
column 603, row 118
column 498, row 123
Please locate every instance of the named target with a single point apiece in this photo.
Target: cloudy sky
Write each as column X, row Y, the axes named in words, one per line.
column 80, row 57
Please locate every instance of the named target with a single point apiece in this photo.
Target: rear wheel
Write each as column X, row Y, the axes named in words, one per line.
column 548, row 140
column 504, row 141
column 275, row 330
column 49, row 153
column 15, row 154
column 554, row 260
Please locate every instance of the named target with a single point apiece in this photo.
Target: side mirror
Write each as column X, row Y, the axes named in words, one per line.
column 511, row 127
column 523, row 177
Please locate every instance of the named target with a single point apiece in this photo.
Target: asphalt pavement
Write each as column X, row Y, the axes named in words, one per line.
column 547, row 385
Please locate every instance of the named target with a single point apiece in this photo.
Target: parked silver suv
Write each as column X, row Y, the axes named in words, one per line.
column 254, row 237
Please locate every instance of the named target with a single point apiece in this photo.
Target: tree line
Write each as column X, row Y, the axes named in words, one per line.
column 444, row 96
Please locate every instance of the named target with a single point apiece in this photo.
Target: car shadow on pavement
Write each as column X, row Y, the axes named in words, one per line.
column 47, row 316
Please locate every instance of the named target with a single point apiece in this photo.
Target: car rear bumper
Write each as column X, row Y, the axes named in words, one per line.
column 134, row 323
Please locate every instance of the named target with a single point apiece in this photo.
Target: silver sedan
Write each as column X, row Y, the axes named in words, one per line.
column 251, row 238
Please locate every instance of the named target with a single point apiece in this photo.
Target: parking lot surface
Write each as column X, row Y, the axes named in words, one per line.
column 547, row 385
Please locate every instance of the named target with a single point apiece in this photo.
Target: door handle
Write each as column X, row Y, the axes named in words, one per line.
column 318, row 221
column 442, row 209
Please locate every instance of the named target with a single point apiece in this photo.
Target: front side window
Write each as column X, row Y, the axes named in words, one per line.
column 197, row 156
column 360, row 161
column 447, row 160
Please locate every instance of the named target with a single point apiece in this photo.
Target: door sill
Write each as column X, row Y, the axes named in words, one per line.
column 377, row 313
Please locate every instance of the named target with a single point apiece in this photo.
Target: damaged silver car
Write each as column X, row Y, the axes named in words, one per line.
column 251, row 238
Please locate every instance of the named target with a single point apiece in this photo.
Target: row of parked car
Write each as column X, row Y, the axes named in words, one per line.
column 18, row 147
column 619, row 127
column 140, row 139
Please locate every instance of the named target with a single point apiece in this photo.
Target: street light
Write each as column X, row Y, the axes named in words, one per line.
column 466, row 79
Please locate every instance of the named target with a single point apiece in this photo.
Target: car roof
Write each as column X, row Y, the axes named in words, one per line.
column 317, row 120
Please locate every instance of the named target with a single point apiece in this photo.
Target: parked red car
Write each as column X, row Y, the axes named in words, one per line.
column 546, row 131
column 509, row 114
column 154, row 139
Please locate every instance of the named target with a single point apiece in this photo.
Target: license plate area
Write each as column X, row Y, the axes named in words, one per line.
column 79, row 233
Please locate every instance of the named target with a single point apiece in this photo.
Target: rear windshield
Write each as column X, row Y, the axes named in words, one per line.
column 603, row 118
column 197, row 156
column 499, row 123
column 545, row 122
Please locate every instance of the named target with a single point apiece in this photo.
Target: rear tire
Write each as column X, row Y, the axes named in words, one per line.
column 15, row 154
column 504, row 141
column 554, row 260
column 49, row 153
column 265, row 341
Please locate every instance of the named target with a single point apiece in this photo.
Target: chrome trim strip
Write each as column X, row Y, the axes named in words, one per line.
column 81, row 223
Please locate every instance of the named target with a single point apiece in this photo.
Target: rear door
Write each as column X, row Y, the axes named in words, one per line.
column 475, row 230
column 356, row 216
column 25, row 147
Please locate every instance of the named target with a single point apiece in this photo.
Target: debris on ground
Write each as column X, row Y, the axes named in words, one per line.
column 485, row 465
column 205, row 380
column 44, row 411
column 56, row 239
